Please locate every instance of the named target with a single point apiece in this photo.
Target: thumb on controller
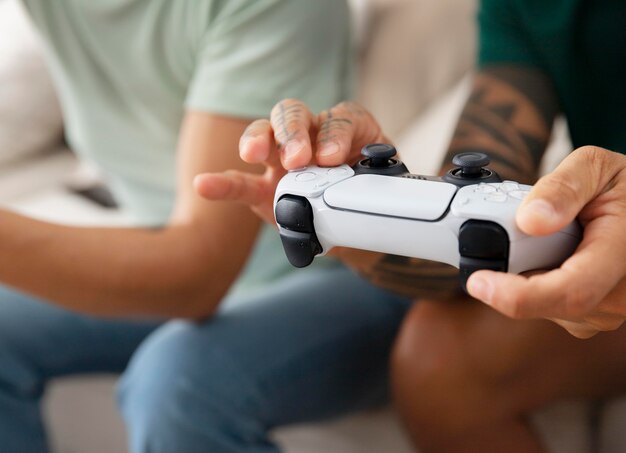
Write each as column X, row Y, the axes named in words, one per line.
column 557, row 198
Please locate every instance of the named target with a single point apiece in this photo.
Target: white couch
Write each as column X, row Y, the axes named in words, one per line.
column 413, row 58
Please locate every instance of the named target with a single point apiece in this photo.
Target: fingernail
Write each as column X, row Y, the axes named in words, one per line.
column 331, row 148
column 292, row 149
column 480, row 289
column 540, row 209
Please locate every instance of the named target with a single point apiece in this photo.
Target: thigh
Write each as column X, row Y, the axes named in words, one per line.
column 52, row 341
column 520, row 365
column 314, row 344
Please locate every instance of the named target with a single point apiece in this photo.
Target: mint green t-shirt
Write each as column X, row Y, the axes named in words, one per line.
column 126, row 70
column 580, row 45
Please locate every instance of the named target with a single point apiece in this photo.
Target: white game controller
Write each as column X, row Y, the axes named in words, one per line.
column 465, row 218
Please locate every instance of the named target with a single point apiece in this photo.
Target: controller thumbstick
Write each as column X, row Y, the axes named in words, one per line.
column 379, row 154
column 471, row 164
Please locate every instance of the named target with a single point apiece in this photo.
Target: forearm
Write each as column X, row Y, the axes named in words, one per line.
column 509, row 116
column 122, row 271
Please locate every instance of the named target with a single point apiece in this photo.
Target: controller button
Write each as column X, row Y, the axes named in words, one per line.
column 496, row 197
column 482, row 245
column 519, row 194
column 306, row 176
column 300, row 248
column 508, row 186
column 337, row 172
column 379, row 154
column 463, row 200
column 483, row 239
column 294, row 213
column 322, row 183
column 484, row 188
column 471, row 163
column 468, row 266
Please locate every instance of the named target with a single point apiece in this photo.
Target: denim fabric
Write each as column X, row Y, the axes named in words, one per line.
column 312, row 346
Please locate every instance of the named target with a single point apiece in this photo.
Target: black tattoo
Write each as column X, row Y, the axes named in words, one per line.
column 330, row 126
column 353, row 108
column 283, row 117
column 508, row 115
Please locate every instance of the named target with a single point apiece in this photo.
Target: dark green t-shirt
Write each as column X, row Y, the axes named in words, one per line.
column 580, row 44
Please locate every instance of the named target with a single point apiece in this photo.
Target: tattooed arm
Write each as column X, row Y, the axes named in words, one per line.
column 508, row 115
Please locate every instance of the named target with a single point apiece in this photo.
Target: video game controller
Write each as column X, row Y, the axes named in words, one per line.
column 465, row 218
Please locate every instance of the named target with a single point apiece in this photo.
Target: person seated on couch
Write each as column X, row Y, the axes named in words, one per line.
column 153, row 93
column 465, row 377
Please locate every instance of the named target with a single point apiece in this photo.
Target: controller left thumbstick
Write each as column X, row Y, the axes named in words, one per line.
column 379, row 154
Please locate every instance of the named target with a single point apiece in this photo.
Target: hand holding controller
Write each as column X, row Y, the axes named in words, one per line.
column 465, row 218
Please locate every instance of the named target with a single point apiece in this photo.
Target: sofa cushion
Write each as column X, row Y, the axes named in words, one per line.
column 30, row 117
column 412, row 52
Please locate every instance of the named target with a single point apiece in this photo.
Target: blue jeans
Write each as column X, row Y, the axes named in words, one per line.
column 312, row 346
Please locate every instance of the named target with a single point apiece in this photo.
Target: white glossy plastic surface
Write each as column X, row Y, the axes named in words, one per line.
column 403, row 216
column 391, row 196
column 311, row 181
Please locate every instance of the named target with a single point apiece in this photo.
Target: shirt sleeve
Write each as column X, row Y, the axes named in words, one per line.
column 502, row 38
column 257, row 53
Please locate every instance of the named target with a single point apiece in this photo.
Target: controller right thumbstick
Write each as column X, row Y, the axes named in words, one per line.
column 471, row 164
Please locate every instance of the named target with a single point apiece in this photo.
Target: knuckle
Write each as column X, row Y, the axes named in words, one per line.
column 565, row 187
column 516, row 310
column 345, row 106
column 337, row 128
column 290, row 121
column 323, row 116
column 598, row 160
column 361, row 120
column 605, row 323
column 256, row 127
column 287, row 102
column 288, row 106
column 610, row 325
column 619, row 311
column 590, row 153
column 514, row 307
column 578, row 301
column 614, row 324
column 336, row 125
column 582, row 332
column 293, row 125
column 350, row 108
column 234, row 179
column 249, row 131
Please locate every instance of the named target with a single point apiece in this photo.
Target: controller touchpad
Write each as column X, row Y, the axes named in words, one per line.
column 392, row 196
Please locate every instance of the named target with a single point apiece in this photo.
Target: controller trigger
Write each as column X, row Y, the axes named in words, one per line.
column 482, row 245
column 294, row 216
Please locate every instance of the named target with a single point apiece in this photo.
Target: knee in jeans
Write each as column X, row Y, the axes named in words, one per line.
column 164, row 394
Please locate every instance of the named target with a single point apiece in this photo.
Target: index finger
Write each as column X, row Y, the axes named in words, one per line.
column 292, row 122
column 343, row 131
column 257, row 145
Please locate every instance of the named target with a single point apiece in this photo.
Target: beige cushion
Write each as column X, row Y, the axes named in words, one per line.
column 413, row 51
column 30, row 117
